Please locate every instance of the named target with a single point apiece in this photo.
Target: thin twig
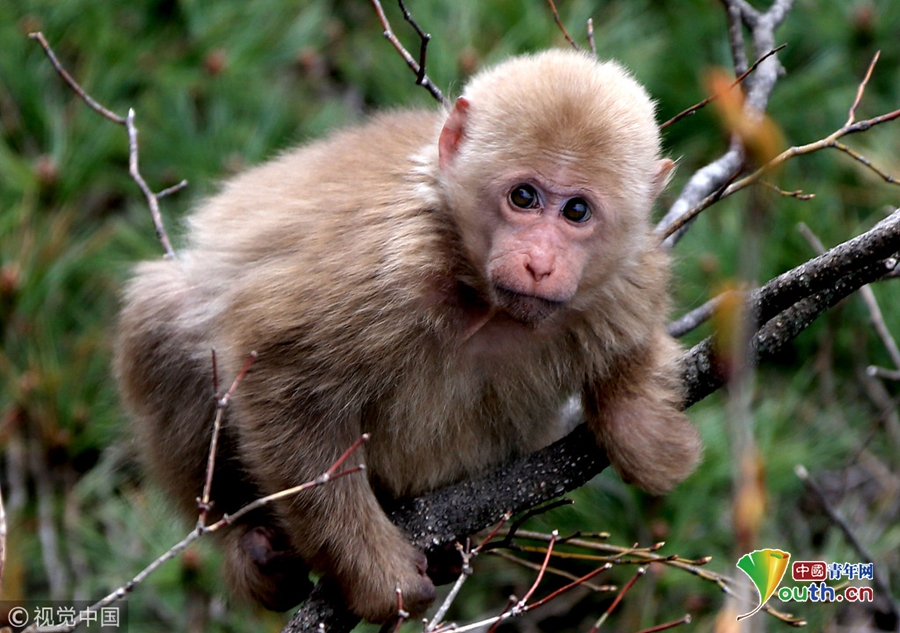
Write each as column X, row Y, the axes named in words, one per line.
column 746, row 181
column 883, row 372
column 533, row 512
column 490, row 537
column 758, row 88
column 521, row 604
column 561, row 26
column 851, row 115
column 695, row 318
column 221, row 404
column 402, row 614
column 515, row 607
column 686, row 619
column 689, row 216
column 640, row 572
column 419, row 69
column 424, row 38
column 195, row 534
column 168, row 191
column 464, row 575
column 879, row 580
column 581, row 580
column 644, row 556
column 553, row 570
column 133, row 148
column 112, row 116
column 590, row 36
column 711, row 98
column 798, row 194
column 865, row 161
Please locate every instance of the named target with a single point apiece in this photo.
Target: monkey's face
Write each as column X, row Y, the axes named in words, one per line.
column 542, row 233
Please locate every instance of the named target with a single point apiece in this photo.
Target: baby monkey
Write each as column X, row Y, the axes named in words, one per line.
column 442, row 280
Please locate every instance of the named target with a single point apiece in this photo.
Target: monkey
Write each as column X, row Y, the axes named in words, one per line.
column 444, row 280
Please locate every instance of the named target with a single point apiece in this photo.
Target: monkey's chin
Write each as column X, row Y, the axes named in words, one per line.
column 526, row 309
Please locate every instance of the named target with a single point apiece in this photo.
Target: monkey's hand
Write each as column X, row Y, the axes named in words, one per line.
column 636, row 418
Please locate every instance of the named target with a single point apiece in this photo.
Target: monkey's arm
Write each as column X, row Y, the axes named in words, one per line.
column 635, row 413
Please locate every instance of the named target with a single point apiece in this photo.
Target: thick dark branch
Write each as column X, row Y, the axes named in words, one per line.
column 853, row 257
column 787, row 305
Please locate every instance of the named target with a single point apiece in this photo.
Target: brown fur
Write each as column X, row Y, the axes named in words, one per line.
column 379, row 276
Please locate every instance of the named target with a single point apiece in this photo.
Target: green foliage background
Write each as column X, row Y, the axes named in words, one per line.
column 221, row 85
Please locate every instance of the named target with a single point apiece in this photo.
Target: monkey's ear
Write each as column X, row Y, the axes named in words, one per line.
column 664, row 169
column 453, row 132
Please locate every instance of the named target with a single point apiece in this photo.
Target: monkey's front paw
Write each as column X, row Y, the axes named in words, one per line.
column 374, row 596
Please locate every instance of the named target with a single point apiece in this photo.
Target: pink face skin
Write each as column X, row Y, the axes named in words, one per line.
column 534, row 229
column 542, row 238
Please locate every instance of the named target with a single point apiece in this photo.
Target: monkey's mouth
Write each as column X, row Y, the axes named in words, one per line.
column 526, row 309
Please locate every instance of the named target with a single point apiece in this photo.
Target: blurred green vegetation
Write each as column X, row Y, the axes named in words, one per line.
column 221, row 85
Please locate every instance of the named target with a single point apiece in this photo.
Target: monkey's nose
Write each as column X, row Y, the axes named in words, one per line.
column 539, row 270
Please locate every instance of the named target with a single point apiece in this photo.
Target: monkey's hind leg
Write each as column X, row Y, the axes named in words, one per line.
column 261, row 566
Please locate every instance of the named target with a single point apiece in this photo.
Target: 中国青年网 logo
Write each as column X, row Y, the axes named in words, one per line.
column 766, row 568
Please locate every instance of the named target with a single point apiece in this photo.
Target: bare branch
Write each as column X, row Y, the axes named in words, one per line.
column 540, row 576
column 628, row 585
column 695, row 318
column 736, row 36
column 221, row 404
column 590, row 36
column 759, row 86
column 424, row 38
column 417, row 67
column 881, row 372
column 851, row 115
column 865, row 161
column 880, row 580
column 196, row 533
column 671, row 228
column 798, row 193
column 112, row 116
column 561, row 26
column 694, row 108
column 133, row 148
column 558, row 572
column 680, row 224
column 466, row 572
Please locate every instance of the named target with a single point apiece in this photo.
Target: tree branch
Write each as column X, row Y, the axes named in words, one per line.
column 706, row 181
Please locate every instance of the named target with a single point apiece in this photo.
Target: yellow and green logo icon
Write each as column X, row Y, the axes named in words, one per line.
column 766, row 568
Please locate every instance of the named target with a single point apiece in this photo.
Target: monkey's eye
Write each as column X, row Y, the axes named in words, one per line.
column 576, row 210
column 524, row 197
